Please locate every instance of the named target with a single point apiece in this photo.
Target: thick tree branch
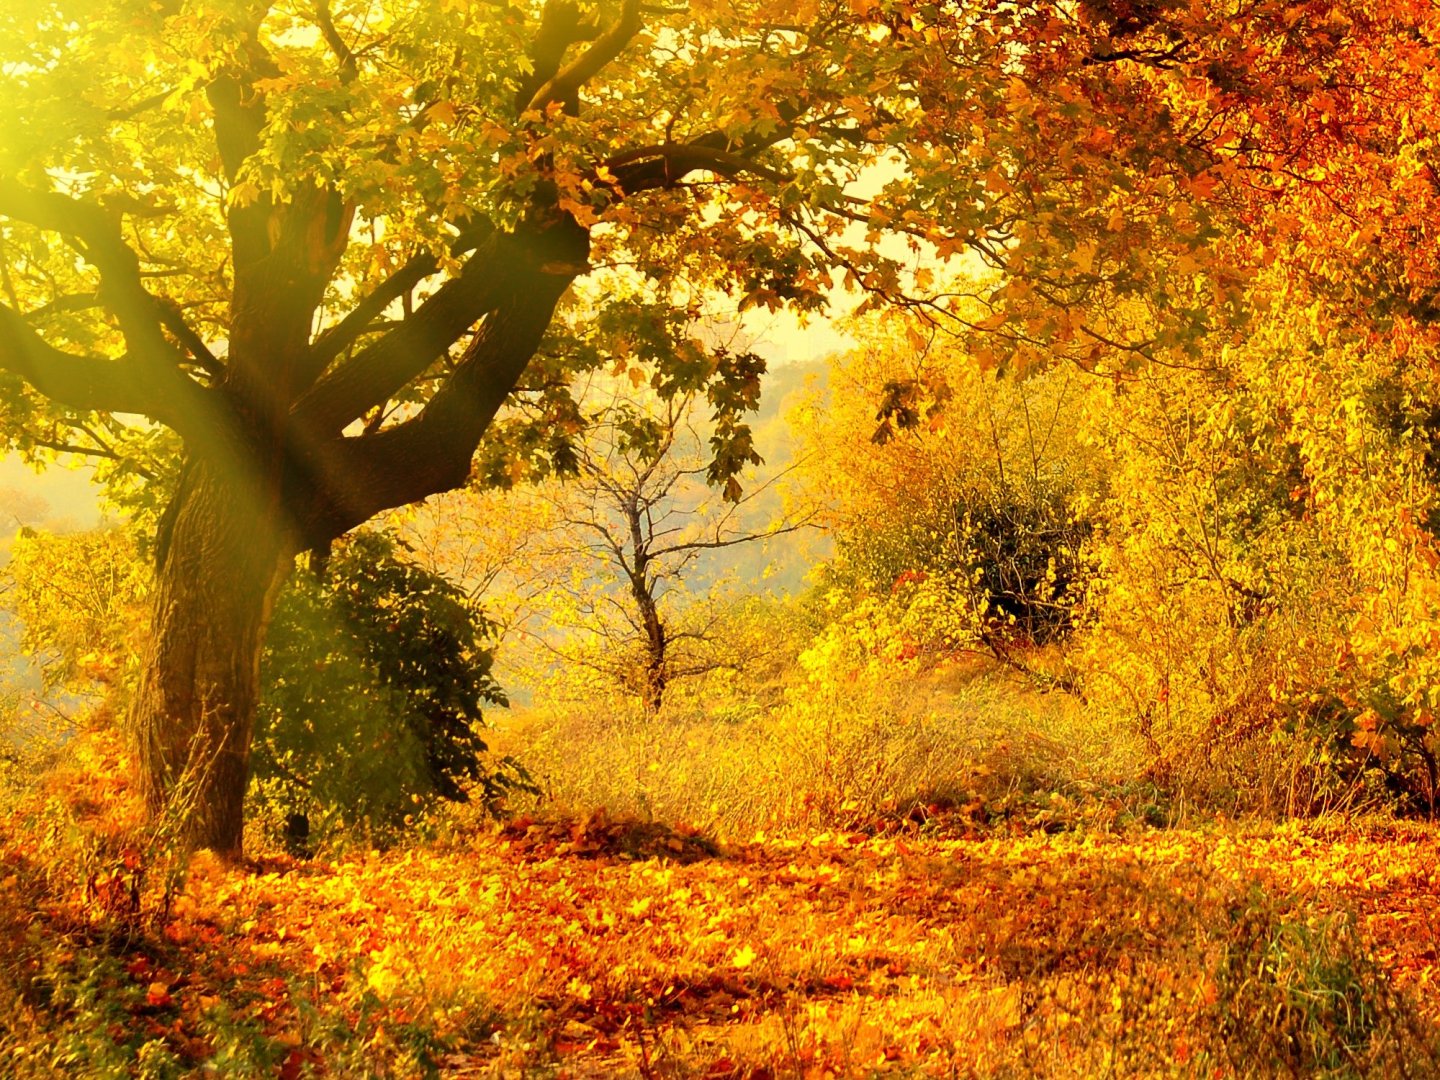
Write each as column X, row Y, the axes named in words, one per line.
column 83, row 383
column 129, row 112
column 152, row 361
column 69, row 302
column 339, row 337
column 663, row 165
column 362, row 316
column 488, row 278
column 381, row 369
column 342, row 51
column 239, row 110
column 174, row 321
column 98, row 231
column 676, row 160
column 343, row 482
column 566, row 83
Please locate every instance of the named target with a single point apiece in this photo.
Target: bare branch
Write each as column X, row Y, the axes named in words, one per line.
column 729, row 541
column 106, row 452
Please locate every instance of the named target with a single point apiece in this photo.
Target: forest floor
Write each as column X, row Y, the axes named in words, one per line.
column 598, row 948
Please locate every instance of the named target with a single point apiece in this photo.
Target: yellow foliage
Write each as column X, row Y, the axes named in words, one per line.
column 1263, row 573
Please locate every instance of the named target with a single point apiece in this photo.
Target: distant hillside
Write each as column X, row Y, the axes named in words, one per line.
column 789, row 557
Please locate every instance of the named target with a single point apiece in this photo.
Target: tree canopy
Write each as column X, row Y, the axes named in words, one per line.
column 308, row 208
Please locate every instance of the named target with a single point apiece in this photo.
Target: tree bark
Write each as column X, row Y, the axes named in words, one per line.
column 655, row 671
column 222, row 561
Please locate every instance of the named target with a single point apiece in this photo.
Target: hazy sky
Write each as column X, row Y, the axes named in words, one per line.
column 59, row 494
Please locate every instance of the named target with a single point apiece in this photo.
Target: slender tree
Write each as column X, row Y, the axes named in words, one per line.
column 640, row 513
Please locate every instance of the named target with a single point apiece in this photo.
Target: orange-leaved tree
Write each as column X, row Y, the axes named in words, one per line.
column 322, row 241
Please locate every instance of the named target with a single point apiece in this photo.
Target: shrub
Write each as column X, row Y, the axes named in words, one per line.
column 374, row 679
column 1266, row 596
column 1023, row 544
column 967, row 512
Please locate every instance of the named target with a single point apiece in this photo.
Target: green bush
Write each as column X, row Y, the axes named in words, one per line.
column 374, row 679
column 1022, row 545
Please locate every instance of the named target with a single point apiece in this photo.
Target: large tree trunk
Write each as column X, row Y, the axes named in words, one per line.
column 220, row 565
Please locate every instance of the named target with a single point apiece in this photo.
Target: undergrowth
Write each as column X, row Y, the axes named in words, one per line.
column 871, row 753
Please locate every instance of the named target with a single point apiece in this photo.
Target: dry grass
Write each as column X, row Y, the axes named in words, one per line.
column 866, row 932
column 871, row 750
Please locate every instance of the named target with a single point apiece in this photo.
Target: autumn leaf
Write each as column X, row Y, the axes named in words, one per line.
column 157, row 995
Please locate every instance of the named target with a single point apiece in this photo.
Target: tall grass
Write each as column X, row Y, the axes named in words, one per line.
column 865, row 750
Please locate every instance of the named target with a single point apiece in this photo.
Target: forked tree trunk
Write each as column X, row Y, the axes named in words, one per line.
column 193, row 718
